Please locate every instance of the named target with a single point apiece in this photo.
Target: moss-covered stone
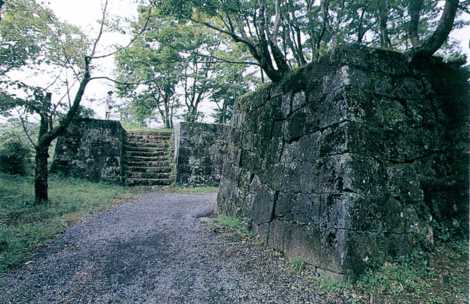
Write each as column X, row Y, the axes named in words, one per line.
column 92, row 149
column 353, row 159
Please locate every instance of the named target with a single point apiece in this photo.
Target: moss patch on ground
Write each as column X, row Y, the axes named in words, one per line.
column 25, row 226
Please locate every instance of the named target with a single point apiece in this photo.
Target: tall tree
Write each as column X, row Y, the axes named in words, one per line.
column 148, row 70
column 429, row 46
column 174, row 64
column 230, row 83
column 282, row 34
column 60, row 46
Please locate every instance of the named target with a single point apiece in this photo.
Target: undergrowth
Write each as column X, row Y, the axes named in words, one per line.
column 25, row 226
column 232, row 224
column 439, row 277
column 297, row 264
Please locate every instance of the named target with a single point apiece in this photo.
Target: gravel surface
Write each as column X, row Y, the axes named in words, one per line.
column 155, row 250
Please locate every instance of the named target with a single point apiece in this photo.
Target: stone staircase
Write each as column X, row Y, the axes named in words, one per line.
column 149, row 158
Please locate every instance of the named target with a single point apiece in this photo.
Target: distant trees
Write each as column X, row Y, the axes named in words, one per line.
column 282, row 34
column 175, row 65
column 148, row 71
column 229, row 84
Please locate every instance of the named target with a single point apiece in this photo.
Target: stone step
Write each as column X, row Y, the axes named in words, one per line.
column 148, row 175
column 142, row 142
column 147, row 158
column 145, row 153
column 158, row 163
column 147, row 137
column 161, row 169
column 147, row 146
column 149, row 132
column 148, row 181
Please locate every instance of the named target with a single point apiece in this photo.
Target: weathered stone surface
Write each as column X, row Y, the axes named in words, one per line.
column 351, row 160
column 91, row 149
column 199, row 150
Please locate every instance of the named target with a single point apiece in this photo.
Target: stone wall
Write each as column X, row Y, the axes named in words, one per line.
column 91, row 149
column 351, row 160
column 199, row 149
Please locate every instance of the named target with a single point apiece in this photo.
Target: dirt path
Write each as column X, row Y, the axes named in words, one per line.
column 154, row 250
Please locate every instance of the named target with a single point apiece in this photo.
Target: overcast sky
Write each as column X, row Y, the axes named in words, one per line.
column 86, row 13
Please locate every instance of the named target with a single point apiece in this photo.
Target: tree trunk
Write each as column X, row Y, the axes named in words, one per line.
column 223, row 119
column 42, row 154
column 383, row 20
column 435, row 41
column 46, row 136
column 167, row 120
column 41, row 175
column 414, row 10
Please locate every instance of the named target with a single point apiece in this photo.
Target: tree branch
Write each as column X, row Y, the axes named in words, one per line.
column 100, row 32
column 25, row 130
column 435, row 41
column 227, row 60
column 136, row 36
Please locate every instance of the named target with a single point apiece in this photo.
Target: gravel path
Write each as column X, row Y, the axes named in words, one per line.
column 154, row 250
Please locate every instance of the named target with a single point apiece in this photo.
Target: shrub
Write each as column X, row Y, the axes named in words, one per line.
column 15, row 157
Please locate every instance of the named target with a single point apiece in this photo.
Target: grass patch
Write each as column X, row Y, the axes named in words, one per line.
column 297, row 264
column 25, row 226
column 232, row 224
column 440, row 277
column 332, row 286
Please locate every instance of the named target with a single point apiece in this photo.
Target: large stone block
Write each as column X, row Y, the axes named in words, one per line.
column 92, row 149
column 351, row 160
column 199, row 153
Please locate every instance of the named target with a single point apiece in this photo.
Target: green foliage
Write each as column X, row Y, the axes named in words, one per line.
column 148, row 71
column 298, row 32
column 15, row 157
column 438, row 277
column 229, row 85
column 31, row 34
column 233, row 224
column 15, row 150
column 331, row 285
column 25, row 226
column 175, row 65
